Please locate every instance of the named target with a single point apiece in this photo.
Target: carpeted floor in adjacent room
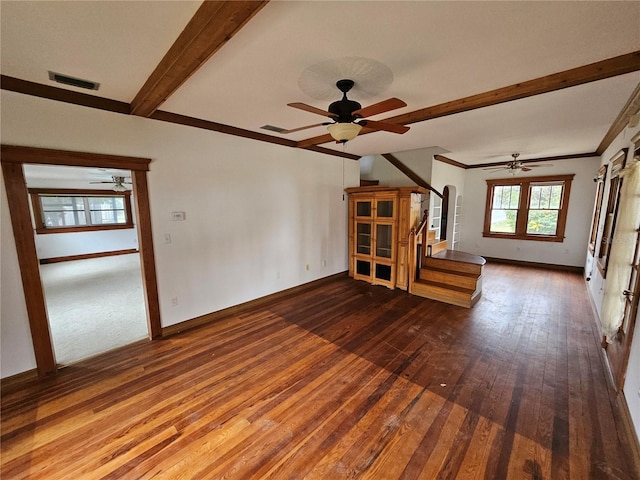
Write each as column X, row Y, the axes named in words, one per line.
column 94, row 305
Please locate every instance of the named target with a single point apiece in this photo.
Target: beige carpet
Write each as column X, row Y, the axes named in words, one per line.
column 94, row 305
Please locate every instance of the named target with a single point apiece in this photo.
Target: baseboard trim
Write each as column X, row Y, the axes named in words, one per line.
column 549, row 266
column 16, row 381
column 44, row 261
column 236, row 309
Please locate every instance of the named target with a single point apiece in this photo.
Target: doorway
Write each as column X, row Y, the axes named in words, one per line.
column 89, row 263
column 444, row 214
column 13, row 159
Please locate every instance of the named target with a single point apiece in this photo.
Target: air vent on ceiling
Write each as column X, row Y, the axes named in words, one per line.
column 75, row 82
column 274, row 129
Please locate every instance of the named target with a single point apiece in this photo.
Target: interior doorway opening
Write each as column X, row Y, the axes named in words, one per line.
column 87, row 248
column 13, row 160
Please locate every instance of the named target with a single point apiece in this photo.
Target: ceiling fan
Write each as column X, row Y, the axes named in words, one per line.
column 348, row 116
column 515, row 166
column 118, row 183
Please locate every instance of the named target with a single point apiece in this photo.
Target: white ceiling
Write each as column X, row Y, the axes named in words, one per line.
column 437, row 51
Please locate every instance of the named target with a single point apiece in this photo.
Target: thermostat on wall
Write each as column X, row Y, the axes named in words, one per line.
column 178, row 216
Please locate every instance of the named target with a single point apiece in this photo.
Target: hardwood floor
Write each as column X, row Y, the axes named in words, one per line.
column 348, row 380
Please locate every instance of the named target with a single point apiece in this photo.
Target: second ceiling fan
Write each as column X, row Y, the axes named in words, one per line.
column 348, row 116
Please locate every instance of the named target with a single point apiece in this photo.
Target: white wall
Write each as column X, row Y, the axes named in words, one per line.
column 52, row 245
column 256, row 213
column 571, row 252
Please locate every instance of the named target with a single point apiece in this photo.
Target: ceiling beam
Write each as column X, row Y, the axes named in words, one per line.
column 396, row 162
column 25, row 87
column 211, row 27
column 537, row 160
column 604, row 69
column 631, row 108
column 450, row 161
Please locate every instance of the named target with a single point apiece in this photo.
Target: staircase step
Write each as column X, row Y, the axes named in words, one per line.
column 437, row 247
column 463, row 297
column 449, row 277
column 455, row 262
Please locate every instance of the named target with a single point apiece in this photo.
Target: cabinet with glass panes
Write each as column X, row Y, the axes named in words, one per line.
column 380, row 219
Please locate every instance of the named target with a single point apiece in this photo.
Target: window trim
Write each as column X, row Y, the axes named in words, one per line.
column 523, row 207
column 38, row 215
column 617, row 162
column 597, row 209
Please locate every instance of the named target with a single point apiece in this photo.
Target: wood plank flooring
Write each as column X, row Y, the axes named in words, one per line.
column 344, row 381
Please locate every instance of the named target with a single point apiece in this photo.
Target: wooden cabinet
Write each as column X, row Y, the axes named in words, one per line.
column 380, row 219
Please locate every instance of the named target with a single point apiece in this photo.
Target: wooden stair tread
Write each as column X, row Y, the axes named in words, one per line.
column 462, row 257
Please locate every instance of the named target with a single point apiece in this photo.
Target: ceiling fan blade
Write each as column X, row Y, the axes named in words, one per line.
column 525, row 169
column 380, row 107
column 388, row 127
column 496, row 168
column 536, row 166
column 303, row 128
column 309, row 108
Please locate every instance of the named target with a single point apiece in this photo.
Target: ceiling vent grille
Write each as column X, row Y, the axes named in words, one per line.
column 74, row 82
column 274, row 129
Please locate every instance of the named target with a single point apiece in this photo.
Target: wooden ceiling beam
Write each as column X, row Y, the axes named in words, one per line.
column 604, row 69
column 413, row 176
column 631, row 108
column 211, row 27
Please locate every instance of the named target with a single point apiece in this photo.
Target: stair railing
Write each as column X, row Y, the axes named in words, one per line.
column 415, row 258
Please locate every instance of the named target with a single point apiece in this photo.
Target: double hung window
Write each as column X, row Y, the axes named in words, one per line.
column 533, row 208
column 70, row 210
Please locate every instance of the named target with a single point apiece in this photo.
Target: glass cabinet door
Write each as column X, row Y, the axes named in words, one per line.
column 384, row 209
column 363, row 238
column 363, row 208
column 384, row 238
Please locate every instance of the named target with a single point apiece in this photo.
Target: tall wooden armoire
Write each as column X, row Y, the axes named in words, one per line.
column 380, row 219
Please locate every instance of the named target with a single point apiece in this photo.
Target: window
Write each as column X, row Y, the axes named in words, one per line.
column 600, row 178
column 58, row 211
column 615, row 187
column 532, row 208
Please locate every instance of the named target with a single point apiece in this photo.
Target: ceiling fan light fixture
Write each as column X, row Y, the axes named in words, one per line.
column 118, row 184
column 343, row 132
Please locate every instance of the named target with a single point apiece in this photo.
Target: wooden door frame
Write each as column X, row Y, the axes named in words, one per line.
column 12, row 159
column 444, row 212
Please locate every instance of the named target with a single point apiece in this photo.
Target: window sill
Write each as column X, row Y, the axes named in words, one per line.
column 90, row 228
column 535, row 238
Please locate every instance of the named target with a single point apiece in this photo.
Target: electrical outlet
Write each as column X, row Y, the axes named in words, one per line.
column 167, row 238
column 174, row 301
column 306, row 267
column 324, row 263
